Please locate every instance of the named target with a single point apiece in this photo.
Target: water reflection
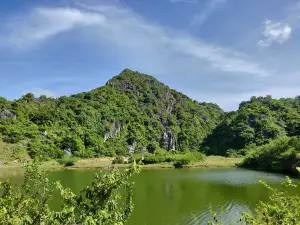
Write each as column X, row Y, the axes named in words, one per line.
column 182, row 197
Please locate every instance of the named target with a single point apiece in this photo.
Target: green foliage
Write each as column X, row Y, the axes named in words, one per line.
column 280, row 155
column 233, row 153
column 118, row 160
column 132, row 109
column 26, row 204
column 166, row 157
column 11, row 152
column 180, row 160
column 256, row 122
column 100, row 203
column 67, row 161
column 44, row 149
column 281, row 209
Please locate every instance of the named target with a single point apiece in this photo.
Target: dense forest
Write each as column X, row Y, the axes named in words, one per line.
column 135, row 113
column 132, row 113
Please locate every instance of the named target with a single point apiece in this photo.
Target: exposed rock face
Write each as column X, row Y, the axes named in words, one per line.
column 114, row 130
column 170, row 101
column 131, row 148
column 6, row 114
column 168, row 141
column 123, row 86
column 68, row 151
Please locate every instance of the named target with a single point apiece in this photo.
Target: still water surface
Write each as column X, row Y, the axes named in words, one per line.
column 180, row 197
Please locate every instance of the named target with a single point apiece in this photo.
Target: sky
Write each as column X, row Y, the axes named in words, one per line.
column 220, row 51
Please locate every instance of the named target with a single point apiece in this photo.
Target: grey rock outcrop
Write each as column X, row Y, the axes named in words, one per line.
column 131, row 148
column 6, row 114
column 68, row 151
column 114, row 130
column 168, row 141
column 170, row 102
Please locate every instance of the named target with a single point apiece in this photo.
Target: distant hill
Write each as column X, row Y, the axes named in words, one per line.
column 255, row 123
column 133, row 112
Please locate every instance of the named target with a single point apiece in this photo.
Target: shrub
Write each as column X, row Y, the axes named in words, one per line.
column 137, row 158
column 282, row 208
column 278, row 155
column 118, row 160
column 153, row 159
column 166, row 157
column 98, row 203
column 67, row 161
column 185, row 159
column 179, row 163
column 233, row 153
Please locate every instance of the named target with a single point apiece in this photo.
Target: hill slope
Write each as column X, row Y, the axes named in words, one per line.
column 133, row 112
column 255, row 123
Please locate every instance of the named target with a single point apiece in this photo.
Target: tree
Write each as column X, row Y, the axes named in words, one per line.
column 282, row 208
column 101, row 203
column 28, row 97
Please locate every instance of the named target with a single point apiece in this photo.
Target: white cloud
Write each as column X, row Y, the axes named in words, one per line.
column 275, row 32
column 40, row 91
column 44, row 23
column 144, row 43
column 200, row 18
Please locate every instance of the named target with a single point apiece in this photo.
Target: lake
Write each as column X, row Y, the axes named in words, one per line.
column 180, row 196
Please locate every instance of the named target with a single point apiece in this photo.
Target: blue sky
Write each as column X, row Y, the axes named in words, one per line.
column 221, row 51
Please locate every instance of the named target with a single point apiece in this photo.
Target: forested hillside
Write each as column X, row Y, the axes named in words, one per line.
column 132, row 113
column 135, row 113
column 264, row 130
column 255, row 123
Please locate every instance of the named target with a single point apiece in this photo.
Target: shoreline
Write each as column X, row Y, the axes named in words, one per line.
column 106, row 163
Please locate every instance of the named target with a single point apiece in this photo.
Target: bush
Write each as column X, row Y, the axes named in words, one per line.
column 137, row 158
column 118, row 160
column 179, row 163
column 44, row 149
column 96, row 204
column 185, row 159
column 67, row 161
column 153, row 159
column 233, row 153
column 279, row 155
column 166, row 157
column 282, row 208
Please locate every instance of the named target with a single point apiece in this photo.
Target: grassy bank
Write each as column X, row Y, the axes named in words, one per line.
column 217, row 161
column 106, row 163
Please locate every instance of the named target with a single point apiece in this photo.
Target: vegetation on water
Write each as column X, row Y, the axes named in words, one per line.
column 101, row 203
column 281, row 209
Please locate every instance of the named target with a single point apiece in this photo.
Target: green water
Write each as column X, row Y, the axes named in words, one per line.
column 170, row 196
